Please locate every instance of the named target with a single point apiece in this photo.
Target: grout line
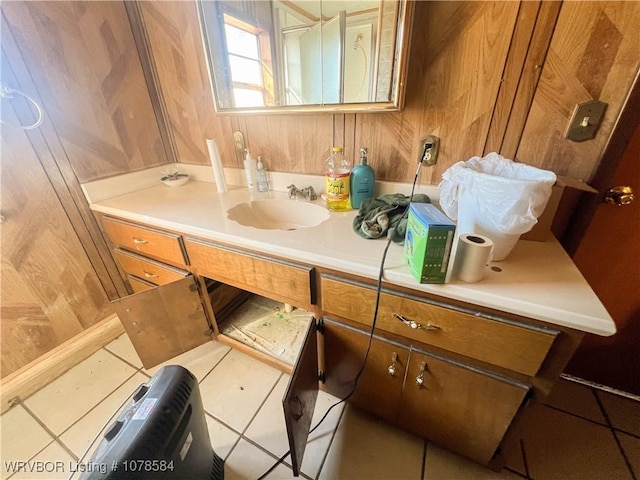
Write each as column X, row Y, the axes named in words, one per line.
column 214, row 367
column 615, row 436
column 424, row 459
column 333, row 436
column 55, row 437
column 124, row 360
column 527, row 473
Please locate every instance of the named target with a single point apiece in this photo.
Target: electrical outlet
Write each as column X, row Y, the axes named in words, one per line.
column 238, row 140
column 429, row 147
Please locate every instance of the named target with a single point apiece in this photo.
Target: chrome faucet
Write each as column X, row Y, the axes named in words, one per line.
column 307, row 193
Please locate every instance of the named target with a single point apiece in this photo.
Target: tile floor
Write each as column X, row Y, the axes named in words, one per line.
column 581, row 433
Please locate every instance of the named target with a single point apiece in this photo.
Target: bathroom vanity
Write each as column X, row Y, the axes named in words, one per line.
column 455, row 363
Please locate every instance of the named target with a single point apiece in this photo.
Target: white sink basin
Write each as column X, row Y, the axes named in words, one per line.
column 275, row 214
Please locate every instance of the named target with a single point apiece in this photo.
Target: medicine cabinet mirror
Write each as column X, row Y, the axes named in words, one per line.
column 306, row 55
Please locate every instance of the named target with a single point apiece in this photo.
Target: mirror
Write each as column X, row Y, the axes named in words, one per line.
column 306, row 55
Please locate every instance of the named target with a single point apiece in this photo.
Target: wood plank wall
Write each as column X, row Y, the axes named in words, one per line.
column 484, row 76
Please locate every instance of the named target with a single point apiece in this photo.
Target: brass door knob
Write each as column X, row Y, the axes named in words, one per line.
column 619, row 196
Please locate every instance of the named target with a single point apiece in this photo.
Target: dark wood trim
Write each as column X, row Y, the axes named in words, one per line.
column 619, row 139
column 145, row 53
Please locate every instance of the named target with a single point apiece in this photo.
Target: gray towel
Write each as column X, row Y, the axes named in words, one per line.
column 385, row 214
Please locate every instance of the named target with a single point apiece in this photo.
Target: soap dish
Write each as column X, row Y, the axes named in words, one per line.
column 175, row 180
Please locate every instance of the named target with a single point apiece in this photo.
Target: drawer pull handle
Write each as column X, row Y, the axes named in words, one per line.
column 139, row 241
column 420, row 377
column 392, row 367
column 149, row 275
column 415, row 325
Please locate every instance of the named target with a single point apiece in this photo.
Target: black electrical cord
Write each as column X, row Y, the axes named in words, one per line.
column 373, row 326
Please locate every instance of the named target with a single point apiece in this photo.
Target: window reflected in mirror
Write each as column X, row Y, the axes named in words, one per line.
column 306, row 54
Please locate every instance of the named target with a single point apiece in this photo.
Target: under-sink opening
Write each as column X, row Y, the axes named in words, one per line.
column 258, row 322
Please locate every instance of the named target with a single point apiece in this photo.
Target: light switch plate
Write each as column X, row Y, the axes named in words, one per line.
column 586, row 120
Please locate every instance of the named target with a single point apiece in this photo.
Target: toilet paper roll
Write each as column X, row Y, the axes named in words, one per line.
column 472, row 256
column 216, row 165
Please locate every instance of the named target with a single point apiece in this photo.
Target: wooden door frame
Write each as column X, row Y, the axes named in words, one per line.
column 619, row 139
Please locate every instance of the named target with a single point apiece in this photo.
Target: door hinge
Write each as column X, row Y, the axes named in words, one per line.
column 319, row 325
column 321, row 376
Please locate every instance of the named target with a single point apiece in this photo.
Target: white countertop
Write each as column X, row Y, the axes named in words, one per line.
column 537, row 280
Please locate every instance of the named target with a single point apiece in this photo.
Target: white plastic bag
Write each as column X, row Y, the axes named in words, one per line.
column 496, row 197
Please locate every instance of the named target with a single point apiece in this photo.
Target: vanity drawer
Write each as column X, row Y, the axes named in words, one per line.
column 284, row 281
column 154, row 243
column 147, row 269
column 509, row 344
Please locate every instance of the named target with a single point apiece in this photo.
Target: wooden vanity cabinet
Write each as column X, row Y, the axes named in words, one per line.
column 165, row 316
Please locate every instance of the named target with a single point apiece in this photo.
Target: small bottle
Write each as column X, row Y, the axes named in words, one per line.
column 337, row 173
column 261, row 176
column 362, row 180
column 250, row 169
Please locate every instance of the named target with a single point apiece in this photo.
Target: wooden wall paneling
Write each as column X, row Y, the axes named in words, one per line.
column 532, row 69
column 293, row 143
column 458, row 53
column 520, row 42
column 177, row 52
column 151, row 77
column 84, row 61
column 53, row 158
column 594, row 53
column 50, row 291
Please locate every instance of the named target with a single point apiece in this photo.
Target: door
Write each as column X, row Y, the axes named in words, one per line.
column 379, row 387
column 164, row 321
column 609, row 258
column 299, row 401
column 50, row 290
column 464, row 408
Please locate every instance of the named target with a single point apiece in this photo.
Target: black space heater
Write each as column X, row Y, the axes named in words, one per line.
column 161, row 434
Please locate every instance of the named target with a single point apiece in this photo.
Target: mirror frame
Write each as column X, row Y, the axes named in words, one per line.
column 403, row 39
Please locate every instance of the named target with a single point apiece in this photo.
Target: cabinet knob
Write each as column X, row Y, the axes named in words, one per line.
column 415, row 325
column 392, row 367
column 420, row 377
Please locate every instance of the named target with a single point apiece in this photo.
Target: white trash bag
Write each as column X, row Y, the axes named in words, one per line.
column 495, row 197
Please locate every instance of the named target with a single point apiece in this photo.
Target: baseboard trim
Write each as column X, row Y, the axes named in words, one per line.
column 24, row 382
column 599, row 386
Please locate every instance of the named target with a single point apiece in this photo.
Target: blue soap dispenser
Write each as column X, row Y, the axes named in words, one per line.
column 362, row 181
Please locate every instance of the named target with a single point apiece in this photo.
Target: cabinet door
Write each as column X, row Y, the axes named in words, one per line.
column 379, row 388
column 164, row 321
column 300, row 397
column 458, row 406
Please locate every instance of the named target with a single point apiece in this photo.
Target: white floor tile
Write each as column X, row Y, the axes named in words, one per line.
column 234, row 391
column 78, row 437
column 558, row 445
column 576, row 398
column 123, row 348
column 223, row 439
column 367, row 448
column 268, row 428
column 443, row 464
column 69, row 397
column 248, row 462
column 50, row 464
column 199, row 361
column 22, row 437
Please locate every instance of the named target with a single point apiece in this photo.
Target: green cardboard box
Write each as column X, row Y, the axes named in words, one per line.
column 427, row 242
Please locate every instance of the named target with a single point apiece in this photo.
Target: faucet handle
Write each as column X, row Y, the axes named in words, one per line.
column 311, row 193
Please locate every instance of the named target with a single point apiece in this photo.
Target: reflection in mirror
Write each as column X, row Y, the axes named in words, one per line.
column 300, row 55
